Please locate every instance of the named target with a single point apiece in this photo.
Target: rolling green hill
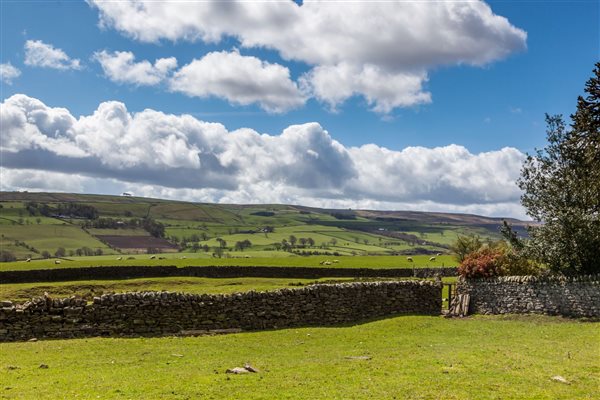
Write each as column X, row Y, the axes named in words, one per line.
column 34, row 223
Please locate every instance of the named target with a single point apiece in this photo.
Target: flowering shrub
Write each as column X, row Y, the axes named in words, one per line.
column 483, row 263
column 497, row 260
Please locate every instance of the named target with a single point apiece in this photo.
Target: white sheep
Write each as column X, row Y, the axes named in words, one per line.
column 432, row 259
column 28, row 260
column 119, row 258
column 152, row 257
column 56, row 261
column 409, row 259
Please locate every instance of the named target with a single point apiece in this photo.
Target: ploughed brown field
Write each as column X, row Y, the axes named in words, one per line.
column 137, row 242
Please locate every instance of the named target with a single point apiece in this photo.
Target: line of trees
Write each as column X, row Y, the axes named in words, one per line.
column 76, row 210
column 150, row 225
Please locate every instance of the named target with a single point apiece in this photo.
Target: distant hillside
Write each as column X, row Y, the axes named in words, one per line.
column 39, row 224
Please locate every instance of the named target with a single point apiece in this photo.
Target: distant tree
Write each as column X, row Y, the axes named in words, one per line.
column 464, row 245
column 217, row 252
column 302, row 242
column 310, row 241
column 45, row 254
column 7, row 256
column 60, row 252
column 98, row 252
column 153, row 227
column 38, row 220
column 222, row 242
column 561, row 185
column 293, row 240
column 277, row 246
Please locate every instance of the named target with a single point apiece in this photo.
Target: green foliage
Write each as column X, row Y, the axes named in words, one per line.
column 561, row 185
column 464, row 245
column 60, row 252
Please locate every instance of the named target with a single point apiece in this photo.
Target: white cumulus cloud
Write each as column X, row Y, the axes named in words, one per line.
column 379, row 50
column 40, row 54
column 240, row 80
column 121, row 67
column 179, row 156
column 8, row 73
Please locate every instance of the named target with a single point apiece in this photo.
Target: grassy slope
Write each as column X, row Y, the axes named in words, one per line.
column 184, row 219
column 280, row 259
column 51, row 236
column 412, row 357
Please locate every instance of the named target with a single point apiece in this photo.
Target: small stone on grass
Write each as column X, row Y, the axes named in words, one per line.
column 560, row 379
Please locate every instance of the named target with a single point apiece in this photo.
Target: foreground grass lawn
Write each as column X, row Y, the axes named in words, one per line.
column 282, row 259
column 407, row 357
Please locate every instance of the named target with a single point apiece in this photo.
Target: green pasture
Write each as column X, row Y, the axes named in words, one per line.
column 405, row 357
column 20, row 292
column 51, row 237
column 280, row 258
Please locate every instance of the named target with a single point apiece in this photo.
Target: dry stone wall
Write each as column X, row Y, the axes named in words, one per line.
column 125, row 272
column 572, row 297
column 165, row 313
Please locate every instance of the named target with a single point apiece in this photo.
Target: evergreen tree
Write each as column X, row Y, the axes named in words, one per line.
column 561, row 185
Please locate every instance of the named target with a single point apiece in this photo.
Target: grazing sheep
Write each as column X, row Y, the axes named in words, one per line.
column 28, row 260
column 432, row 259
column 336, row 261
column 327, row 263
column 409, row 259
column 56, row 261
column 119, row 258
column 438, row 254
column 152, row 257
column 183, row 257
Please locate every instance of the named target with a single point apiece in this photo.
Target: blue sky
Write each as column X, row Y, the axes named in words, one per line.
column 460, row 89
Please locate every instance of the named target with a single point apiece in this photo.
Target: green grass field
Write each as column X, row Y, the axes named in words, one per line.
column 406, row 357
column 279, row 258
column 49, row 237
column 365, row 233
column 20, row 292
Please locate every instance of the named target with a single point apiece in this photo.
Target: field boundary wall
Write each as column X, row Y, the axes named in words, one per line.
column 166, row 313
column 128, row 272
column 566, row 296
